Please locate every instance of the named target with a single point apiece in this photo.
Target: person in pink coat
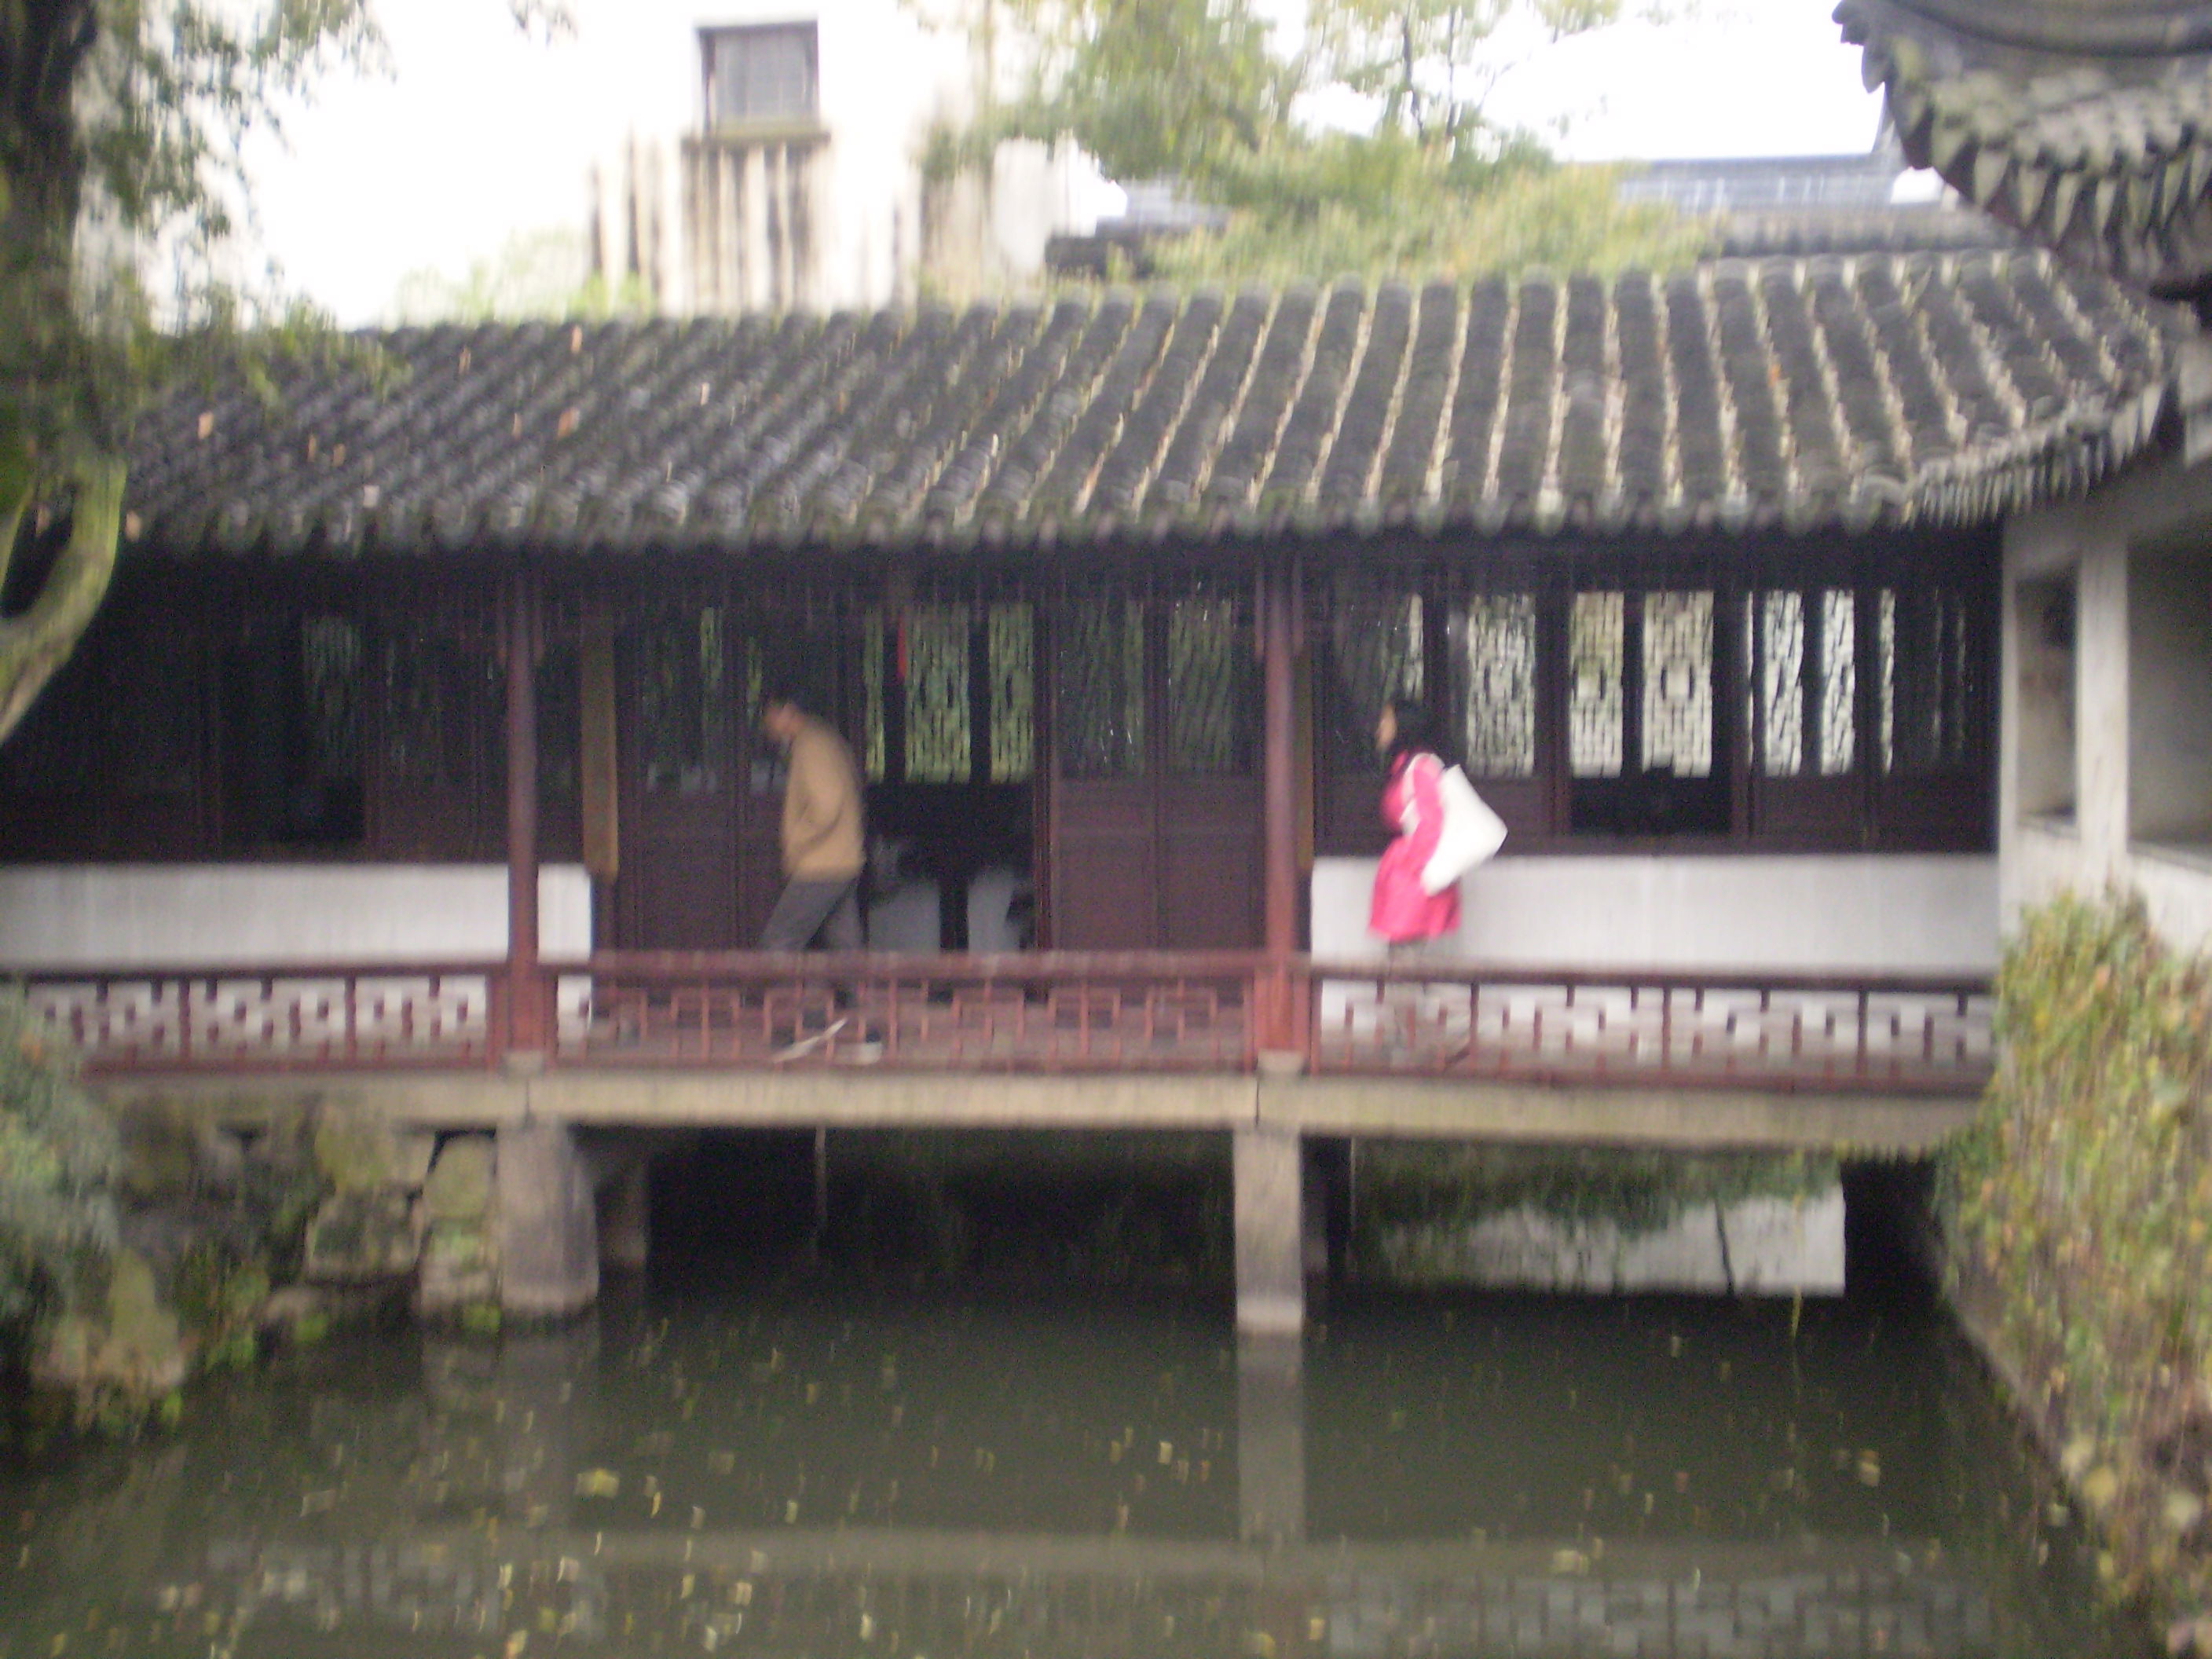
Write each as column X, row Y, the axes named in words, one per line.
column 1413, row 806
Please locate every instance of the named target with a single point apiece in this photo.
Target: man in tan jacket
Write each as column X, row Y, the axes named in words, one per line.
column 822, row 833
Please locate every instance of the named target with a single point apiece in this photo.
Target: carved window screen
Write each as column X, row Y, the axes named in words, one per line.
column 330, row 678
column 685, row 704
column 1780, row 720
column 1100, row 707
column 1677, row 683
column 1595, row 645
column 1493, row 638
column 1375, row 656
column 1926, row 686
column 940, row 733
column 1012, row 656
column 1211, row 680
column 1788, row 652
column 439, row 702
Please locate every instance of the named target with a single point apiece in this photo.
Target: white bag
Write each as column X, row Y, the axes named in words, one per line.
column 1471, row 833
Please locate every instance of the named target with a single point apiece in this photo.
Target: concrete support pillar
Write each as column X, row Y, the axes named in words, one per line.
column 1271, row 1439
column 625, row 1219
column 1270, row 1235
column 548, row 1246
column 2100, row 701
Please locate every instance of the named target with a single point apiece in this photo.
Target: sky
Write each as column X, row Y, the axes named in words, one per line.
column 478, row 133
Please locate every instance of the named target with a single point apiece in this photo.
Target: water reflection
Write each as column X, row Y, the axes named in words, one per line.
column 762, row 1473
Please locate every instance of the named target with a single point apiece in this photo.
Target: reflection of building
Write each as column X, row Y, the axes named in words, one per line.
column 804, row 164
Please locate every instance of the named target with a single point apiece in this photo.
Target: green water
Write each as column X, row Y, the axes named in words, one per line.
column 817, row 1468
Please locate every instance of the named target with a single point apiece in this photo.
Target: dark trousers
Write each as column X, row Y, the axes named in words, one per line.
column 828, row 909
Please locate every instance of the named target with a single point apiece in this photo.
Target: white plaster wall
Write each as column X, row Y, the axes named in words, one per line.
column 1932, row 914
column 2130, row 714
column 1774, row 1247
column 225, row 914
column 2170, row 700
column 2176, row 891
column 883, row 77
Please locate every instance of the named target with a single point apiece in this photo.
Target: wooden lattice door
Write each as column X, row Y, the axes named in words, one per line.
column 1156, row 806
column 682, row 748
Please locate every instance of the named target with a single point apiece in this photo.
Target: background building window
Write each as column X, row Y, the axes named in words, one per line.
column 762, row 72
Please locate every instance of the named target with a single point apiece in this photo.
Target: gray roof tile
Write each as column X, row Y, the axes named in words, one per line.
column 1832, row 392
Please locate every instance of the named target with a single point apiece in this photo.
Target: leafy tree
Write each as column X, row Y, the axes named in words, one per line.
column 1196, row 91
column 1532, row 217
column 121, row 124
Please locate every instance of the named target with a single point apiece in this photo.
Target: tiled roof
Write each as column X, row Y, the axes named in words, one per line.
column 1791, row 393
column 2089, row 128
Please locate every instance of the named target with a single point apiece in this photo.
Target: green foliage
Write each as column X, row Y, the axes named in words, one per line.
column 540, row 274
column 2083, row 1199
column 1557, row 219
column 122, row 128
column 1195, row 91
column 58, row 1157
column 218, row 1294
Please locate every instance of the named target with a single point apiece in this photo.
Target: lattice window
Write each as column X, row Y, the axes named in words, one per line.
column 1100, row 708
column 1494, row 649
column 940, row 735
column 1677, row 683
column 559, row 722
column 1781, row 684
column 1375, row 657
column 1012, row 653
column 436, row 697
column 874, row 737
column 329, row 673
column 684, row 702
column 1788, row 652
column 1596, row 634
column 1209, row 688
column 1840, row 681
column 1926, row 686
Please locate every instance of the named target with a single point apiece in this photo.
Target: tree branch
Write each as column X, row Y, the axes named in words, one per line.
column 35, row 644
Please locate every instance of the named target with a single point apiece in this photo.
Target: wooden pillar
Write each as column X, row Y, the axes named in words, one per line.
column 1280, row 792
column 1279, row 795
column 527, row 1032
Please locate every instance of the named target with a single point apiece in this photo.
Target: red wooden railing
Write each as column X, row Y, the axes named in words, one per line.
column 1040, row 1013
column 1137, row 1013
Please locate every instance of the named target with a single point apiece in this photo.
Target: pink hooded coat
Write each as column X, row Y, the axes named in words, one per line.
column 1413, row 807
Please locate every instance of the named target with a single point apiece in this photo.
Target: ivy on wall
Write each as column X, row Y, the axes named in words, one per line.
column 2081, row 1203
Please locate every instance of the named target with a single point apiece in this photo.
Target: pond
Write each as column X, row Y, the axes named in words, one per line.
column 812, row 1467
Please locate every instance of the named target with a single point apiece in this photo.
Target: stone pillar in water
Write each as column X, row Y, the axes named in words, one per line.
column 1271, row 1439
column 1270, row 1235
column 549, row 1251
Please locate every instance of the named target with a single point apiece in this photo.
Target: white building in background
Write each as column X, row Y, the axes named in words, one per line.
column 782, row 163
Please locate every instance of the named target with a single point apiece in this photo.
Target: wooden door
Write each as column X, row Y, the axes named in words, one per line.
column 681, row 750
column 1155, row 792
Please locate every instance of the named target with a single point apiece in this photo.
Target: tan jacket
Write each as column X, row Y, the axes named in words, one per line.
column 822, row 837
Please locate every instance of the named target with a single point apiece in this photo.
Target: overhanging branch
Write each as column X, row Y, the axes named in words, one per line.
column 37, row 643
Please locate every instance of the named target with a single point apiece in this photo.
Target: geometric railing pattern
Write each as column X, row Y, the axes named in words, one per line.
column 1053, row 1012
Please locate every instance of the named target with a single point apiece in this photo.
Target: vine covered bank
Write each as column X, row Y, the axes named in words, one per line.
column 2077, row 1217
